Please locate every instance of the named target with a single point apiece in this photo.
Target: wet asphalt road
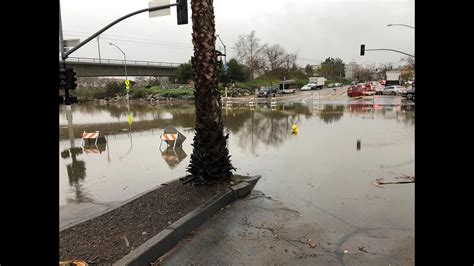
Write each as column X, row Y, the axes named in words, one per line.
column 259, row 230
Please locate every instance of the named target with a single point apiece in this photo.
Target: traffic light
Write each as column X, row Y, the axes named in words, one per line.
column 362, row 49
column 182, row 12
column 71, row 79
column 62, row 78
column 67, row 82
column 72, row 99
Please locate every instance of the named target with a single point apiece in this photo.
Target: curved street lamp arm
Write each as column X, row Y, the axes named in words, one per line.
column 117, row 47
column 401, row 25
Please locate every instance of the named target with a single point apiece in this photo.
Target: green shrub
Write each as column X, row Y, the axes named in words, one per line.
column 137, row 93
column 168, row 93
column 114, row 88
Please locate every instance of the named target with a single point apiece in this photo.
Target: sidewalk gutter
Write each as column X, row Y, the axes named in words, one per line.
column 158, row 245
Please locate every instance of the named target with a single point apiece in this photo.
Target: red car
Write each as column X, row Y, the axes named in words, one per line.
column 369, row 89
column 356, row 90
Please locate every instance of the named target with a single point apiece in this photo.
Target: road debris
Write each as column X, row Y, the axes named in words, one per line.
column 126, row 241
column 397, row 180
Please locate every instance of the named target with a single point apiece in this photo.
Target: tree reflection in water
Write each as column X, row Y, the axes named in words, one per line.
column 263, row 126
column 331, row 113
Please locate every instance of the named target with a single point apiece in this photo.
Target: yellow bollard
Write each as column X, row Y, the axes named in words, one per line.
column 294, row 129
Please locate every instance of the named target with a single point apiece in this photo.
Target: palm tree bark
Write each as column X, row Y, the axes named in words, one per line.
column 210, row 160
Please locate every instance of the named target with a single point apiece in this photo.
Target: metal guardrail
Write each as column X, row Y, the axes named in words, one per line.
column 120, row 62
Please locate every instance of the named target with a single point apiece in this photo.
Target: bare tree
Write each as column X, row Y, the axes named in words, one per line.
column 410, row 61
column 408, row 70
column 289, row 61
column 249, row 52
column 274, row 57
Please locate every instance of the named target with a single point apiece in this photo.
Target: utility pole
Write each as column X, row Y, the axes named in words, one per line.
column 98, row 46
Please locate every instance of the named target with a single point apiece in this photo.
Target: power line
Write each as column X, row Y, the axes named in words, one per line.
column 148, row 43
column 130, row 38
column 309, row 59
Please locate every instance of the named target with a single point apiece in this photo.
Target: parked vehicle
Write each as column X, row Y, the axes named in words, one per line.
column 308, row 87
column 337, row 84
column 376, row 87
column 356, row 90
column 266, row 91
column 287, row 86
column 379, row 90
column 409, row 94
column 368, row 89
column 393, row 78
column 318, row 81
column 393, row 90
column 330, row 85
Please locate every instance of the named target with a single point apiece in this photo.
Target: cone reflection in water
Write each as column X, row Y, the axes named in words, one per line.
column 90, row 148
column 173, row 157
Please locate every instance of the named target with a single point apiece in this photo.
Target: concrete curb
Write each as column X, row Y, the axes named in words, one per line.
column 116, row 207
column 158, row 245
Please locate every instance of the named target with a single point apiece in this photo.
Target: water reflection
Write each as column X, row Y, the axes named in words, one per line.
column 94, row 149
column 76, row 172
column 173, row 156
column 94, row 113
column 251, row 131
column 331, row 113
column 130, row 121
column 269, row 128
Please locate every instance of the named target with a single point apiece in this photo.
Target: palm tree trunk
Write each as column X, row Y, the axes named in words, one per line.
column 210, row 160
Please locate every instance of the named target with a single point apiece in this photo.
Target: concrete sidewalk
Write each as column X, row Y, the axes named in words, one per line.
column 73, row 214
column 258, row 230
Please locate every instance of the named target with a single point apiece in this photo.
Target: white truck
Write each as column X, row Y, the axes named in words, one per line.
column 318, row 82
column 392, row 77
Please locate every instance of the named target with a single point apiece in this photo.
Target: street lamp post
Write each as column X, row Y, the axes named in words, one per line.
column 125, row 63
column 225, row 53
column 389, row 25
column 225, row 65
column 124, row 58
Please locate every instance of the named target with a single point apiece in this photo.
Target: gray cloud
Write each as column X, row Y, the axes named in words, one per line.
column 316, row 29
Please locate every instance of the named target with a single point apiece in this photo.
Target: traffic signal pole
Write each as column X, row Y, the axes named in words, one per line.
column 182, row 17
column 66, row 54
column 362, row 51
column 66, row 91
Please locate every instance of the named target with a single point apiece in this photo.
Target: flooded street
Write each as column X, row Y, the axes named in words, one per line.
column 318, row 172
column 322, row 153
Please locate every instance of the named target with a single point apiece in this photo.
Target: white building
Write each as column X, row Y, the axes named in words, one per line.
column 351, row 69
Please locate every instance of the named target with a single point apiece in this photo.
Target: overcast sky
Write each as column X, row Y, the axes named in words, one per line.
column 316, row 29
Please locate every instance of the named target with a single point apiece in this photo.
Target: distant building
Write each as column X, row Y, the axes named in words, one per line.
column 351, row 70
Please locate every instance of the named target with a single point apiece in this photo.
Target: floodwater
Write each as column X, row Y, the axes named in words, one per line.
column 318, row 169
